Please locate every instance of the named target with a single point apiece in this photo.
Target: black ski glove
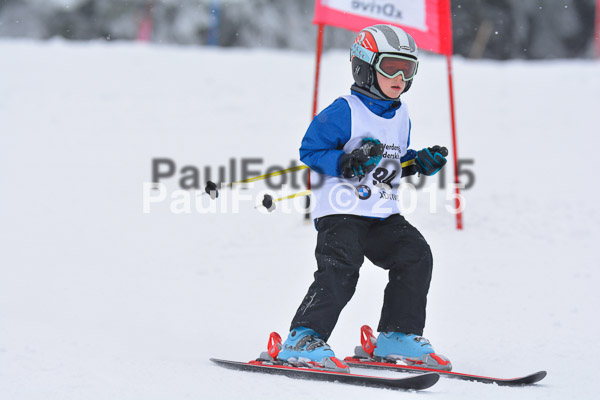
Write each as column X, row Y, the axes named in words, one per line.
column 362, row 160
column 430, row 160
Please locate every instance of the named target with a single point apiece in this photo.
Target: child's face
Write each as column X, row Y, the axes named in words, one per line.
column 393, row 87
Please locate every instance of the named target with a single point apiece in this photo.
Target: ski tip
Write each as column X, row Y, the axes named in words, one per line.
column 429, row 380
column 417, row 382
column 538, row 376
column 525, row 380
column 531, row 378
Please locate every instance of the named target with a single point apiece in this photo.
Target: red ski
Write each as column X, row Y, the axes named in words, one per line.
column 332, row 370
column 364, row 358
column 408, row 383
column 524, row 380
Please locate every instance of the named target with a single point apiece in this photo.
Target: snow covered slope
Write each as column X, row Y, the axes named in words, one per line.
column 100, row 300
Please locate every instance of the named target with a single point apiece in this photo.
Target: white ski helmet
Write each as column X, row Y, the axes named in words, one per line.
column 386, row 49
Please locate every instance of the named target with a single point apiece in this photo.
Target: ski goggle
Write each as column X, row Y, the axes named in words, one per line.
column 392, row 65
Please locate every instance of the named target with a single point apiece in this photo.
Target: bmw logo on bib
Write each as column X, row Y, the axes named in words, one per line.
column 363, row 192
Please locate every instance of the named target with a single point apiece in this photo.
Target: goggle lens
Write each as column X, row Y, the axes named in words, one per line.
column 391, row 67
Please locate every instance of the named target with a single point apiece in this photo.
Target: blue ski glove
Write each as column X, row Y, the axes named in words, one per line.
column 362, row 160
column 430, row 160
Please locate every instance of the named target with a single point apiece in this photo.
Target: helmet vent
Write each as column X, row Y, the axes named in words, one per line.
column 390, row 36
column 394, row 41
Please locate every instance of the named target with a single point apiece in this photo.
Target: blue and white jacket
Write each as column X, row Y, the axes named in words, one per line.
column 339, row 129
column 330, row 130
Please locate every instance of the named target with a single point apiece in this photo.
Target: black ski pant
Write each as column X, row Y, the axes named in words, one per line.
column 392, row 244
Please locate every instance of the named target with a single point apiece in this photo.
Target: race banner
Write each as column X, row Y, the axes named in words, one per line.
column 427, row 21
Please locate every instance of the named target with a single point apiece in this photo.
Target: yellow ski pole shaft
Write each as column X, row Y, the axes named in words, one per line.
column 269, row 202
column 212, row 187
column 270, row 175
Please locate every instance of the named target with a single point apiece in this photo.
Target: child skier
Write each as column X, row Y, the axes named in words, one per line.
column 356, row 211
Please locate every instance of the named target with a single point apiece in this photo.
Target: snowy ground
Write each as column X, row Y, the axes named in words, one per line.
column 99, row 300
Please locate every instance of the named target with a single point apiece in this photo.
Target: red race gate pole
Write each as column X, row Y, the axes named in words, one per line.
column 459, row 221
column 320, row 28
column 318, row 68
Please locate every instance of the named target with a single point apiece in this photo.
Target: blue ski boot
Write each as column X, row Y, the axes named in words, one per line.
column 412, row 349
column 305, row 347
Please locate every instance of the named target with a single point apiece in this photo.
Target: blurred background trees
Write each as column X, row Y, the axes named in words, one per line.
column 499, row 29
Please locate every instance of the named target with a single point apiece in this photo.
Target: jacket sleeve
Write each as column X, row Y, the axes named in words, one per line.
column 322, row 145
column 410, row 155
